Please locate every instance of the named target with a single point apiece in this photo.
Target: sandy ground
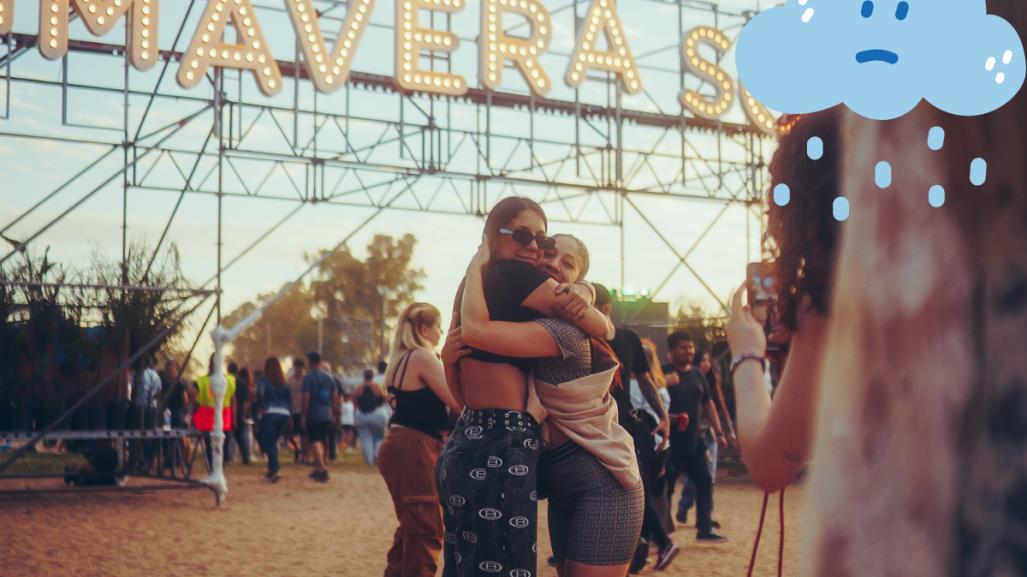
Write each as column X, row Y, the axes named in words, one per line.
column 297, row 528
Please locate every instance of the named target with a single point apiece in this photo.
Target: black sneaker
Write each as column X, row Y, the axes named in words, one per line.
column 320, row 476
column 710, row 537
column 641, row 557
column 715, row 524
column 667, row 554
column 682, row 516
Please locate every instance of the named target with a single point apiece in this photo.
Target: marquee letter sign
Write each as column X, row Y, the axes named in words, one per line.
column 329, row 69
column 411, row 39
column 329, row 72
column 208, row 47
column 495, row 47
column 708, row 71
column 99, row 17
column 602, row 18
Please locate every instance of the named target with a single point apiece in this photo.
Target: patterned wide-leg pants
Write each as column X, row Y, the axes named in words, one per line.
column 487, row 475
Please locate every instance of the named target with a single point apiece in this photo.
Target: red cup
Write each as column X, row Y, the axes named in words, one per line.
column 682, row 423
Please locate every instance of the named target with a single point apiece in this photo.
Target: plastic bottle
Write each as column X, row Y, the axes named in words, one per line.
column 167, row 419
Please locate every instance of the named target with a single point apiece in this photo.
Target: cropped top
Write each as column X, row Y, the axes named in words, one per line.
column 507, row 284
column 421, row 410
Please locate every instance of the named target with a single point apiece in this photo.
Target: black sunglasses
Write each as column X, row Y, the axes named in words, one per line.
column 524, row 237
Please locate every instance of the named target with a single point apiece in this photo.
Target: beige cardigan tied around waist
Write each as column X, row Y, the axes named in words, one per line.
column 586, row 414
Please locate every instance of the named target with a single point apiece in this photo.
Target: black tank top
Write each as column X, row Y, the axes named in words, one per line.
column 421, row 410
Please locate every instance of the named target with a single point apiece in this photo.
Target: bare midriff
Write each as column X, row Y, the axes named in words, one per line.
column 493, row 385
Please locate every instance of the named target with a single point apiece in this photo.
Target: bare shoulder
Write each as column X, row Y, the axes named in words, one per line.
column 424, row 358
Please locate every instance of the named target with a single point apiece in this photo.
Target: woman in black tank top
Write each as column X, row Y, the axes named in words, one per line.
column 419, row 396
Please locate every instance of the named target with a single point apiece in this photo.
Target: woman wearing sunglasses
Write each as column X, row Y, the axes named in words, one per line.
column 487, row 470
column 588, row 468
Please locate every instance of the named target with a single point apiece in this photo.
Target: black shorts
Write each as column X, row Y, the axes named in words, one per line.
column 296, row 423
column 318, row 432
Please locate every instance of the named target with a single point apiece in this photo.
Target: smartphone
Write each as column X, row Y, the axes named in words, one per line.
column 762, row 285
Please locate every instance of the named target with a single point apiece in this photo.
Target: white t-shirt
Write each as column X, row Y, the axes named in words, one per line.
column 347, row 413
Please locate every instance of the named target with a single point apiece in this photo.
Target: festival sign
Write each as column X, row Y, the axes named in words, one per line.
column 329, row 67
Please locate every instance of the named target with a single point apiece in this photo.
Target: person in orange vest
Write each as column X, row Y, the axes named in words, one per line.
column 203, row 415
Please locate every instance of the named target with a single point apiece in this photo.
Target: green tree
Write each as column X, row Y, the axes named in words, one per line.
column 283, row 330
column 358, row 298
column 345, row 307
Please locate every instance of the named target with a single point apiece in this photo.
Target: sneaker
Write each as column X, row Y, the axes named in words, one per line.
column 641, row 557
column 320, row 476
column 715, row 524
column 667, row 554
column 710, row 537
column 274, row 478
column 682, row 516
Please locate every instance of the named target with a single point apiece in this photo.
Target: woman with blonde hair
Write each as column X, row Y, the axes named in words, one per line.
column 419, row 397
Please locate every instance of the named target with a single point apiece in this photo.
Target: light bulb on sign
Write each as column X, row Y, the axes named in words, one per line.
column 305, row 22
column 523, row 52
column 723, row 84
column 209, row 50
column 408, row 48
column 99, row 17
column 602, row 18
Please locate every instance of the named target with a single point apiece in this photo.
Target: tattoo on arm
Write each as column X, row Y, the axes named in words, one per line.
column 652, row 396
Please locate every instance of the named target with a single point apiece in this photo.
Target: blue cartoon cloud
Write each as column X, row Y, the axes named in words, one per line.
column 881, row 57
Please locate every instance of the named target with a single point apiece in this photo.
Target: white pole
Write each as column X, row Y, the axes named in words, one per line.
column 218, row 386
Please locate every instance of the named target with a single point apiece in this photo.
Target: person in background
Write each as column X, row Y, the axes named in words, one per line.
column 420, row 398
column 176, row 400
column 346, row 423
column 661, row 464
column 705, row 365
column 371, row 417
column 145, row 400
column 690, row 399
column 333, row 430
column 244, row 426
column 298, row 440
column 320, row 408
column 276, row 413
column 634, row 366
column 203, row 415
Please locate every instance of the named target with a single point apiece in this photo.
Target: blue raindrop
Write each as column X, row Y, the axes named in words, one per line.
column 841, row 209
column 978, row 171
column 882, row 174
column 782, row 194
column 936, row 195
column 936, row 138
column 815, row 148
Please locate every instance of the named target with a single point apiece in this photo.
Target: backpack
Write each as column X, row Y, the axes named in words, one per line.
column 367, row 402
column 324, row 391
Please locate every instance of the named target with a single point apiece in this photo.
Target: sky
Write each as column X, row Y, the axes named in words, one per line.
column 32, row 168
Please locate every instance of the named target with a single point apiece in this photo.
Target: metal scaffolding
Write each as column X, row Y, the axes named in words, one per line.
column 587, row 159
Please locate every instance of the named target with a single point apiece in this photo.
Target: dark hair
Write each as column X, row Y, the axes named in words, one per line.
column 273, row 371
column 233, row 368
column 699, row 354
column 368, row 375
column 298, row 363
column 676, row 337
column 804, row 232
column 314, row 357
column 244, row 376
column 602, row 295
column 506, row 210
column 501, row 214
column 382, row 366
